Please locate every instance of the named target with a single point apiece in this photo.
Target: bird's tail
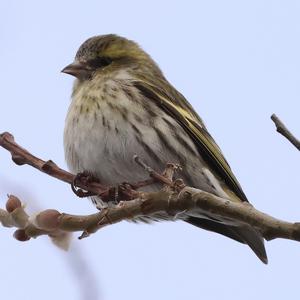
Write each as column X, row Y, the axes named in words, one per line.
column 243, row 233
column 254, row 240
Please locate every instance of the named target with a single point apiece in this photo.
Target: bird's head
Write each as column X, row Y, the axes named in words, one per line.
column 105, row 53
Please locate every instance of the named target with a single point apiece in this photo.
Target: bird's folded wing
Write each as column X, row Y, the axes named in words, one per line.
column 173, row 103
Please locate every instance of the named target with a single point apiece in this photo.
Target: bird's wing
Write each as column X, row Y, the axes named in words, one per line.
column 176, row 105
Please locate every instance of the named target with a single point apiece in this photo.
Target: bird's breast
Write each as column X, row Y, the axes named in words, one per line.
column 107, row 124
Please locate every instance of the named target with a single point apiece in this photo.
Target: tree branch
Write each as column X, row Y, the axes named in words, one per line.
column 282, row 129
column 189, row 200
column 22, row 157
column 174, row 199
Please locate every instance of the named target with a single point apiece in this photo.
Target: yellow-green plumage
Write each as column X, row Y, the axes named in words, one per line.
column 122, row 105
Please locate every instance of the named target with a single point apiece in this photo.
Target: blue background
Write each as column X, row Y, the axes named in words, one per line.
column 237, row 62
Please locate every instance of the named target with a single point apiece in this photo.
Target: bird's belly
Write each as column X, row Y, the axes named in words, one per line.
column 108, row 153
column 109, row 156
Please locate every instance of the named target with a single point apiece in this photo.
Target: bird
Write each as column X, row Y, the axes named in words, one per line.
column 122, row 105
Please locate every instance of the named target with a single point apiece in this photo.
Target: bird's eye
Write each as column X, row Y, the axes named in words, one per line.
column 100, row 62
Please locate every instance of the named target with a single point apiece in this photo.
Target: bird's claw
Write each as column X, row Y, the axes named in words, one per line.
column 178, row 185
column 82, row 178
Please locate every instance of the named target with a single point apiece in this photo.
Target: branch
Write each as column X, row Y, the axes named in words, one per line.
column 174, row 199
column 189, row 200
column 21, row 156
column 281, row 128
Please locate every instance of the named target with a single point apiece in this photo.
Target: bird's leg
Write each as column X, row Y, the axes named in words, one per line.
column 85, row 178
column 126, row 192
column 121, row 192
column 142, row 183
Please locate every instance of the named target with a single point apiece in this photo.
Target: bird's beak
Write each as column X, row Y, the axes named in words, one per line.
column 77, row 69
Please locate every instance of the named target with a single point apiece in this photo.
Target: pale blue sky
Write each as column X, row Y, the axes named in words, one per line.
column 237, row 62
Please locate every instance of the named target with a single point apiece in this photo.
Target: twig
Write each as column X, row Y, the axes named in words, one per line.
column 52, row 223
column 22, row 157
column 151, row 172
column 281, row 128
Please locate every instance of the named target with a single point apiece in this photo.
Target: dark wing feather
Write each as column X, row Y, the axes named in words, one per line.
column 216, row 227
column 244, row 234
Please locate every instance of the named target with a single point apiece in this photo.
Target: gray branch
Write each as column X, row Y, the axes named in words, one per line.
column 188, row 200
column 282, row 129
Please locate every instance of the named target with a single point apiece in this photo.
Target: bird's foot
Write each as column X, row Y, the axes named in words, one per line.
column 121, row 192
column 178, row 185
column 83, row 178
